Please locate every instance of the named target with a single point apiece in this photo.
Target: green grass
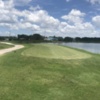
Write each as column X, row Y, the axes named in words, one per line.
column 4, row 46
column 28, row 77
column 54, row 52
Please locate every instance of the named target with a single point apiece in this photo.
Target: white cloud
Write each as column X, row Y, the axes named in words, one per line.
column 75, row 16
column 35, row 8
column 94, row 1
column 75, row 24
column 96, row 21
column 6, row 5
column 38, row 20
column 1, row 4
column 80, row 29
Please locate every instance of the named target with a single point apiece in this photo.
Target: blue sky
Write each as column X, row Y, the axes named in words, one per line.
column 75, row 18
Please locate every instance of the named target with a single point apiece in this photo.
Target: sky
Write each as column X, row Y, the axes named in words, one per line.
column 72, row 18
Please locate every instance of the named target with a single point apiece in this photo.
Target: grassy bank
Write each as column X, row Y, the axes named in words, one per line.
column 3, row 46
column 54, row 52
column 29, row 74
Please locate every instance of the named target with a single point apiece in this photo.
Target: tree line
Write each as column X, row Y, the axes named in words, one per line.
column 39, row 38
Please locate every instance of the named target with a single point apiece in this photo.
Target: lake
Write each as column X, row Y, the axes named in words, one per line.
column 91, row 47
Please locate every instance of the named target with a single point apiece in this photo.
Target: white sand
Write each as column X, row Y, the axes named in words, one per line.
column 16, row 47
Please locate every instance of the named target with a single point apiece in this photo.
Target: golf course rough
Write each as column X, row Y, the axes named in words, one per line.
column 53, row 51
column 4, row 45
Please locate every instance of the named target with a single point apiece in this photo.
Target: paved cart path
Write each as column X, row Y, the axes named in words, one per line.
column 16, row 47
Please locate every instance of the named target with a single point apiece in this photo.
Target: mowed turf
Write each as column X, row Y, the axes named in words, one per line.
column 3, row 46
column 36, row 78
column 54, row 52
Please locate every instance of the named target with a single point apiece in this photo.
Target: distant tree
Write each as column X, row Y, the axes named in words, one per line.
column 78, row 39
column 36, row 37
column 68, row 39
column 23, row 37
column 2, row 38
column 60, row 38
column 39, row 38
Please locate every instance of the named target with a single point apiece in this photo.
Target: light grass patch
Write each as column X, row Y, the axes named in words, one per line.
column 54, row 52
column 89, row 79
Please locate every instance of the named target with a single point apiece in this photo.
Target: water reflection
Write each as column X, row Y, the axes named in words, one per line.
column 91, row 47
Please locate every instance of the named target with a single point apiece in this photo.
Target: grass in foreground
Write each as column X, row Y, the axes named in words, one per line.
column 4, row 46
column 33, row 78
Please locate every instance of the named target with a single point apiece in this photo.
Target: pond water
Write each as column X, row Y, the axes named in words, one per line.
column 91, row 47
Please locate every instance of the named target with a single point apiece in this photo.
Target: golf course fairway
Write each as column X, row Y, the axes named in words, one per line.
column 49, row 72
column 54, row 51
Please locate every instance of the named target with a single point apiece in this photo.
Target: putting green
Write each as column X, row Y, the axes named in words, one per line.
column 54, row 52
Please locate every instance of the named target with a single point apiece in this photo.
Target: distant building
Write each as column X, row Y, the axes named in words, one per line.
column 51, row 38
